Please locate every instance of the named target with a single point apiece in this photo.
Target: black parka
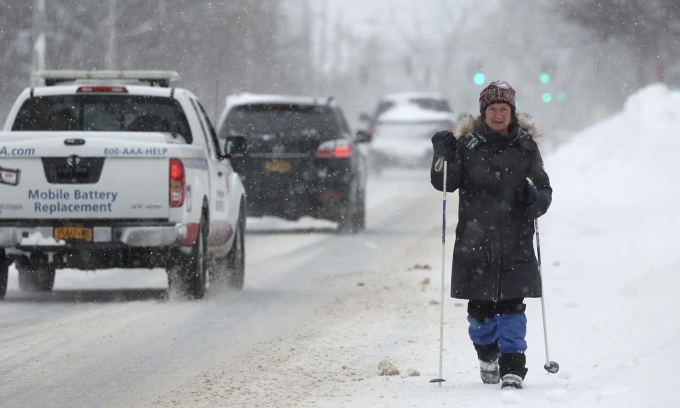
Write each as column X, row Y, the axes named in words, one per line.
column 493, row 256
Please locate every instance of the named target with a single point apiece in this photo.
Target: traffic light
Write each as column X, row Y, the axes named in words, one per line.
column 479, row 78
column 547, row 73
column 546, row 97
column 561, row 96
column 474, row 70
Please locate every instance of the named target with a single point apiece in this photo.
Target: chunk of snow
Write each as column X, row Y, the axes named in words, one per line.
column 558, row 396
column 385, row 367
column 511, row 397
column 37, row 239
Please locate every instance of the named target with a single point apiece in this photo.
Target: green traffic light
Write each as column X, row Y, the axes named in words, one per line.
column 546, row 97
column 561, row 96
column 479, row 78
column 544, row 77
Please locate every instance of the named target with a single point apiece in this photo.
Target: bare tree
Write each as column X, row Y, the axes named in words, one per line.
column 643, row 25
column 16, row 42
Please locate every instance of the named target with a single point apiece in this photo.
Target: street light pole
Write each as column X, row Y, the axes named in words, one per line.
column 38, row 52
column 110, row 57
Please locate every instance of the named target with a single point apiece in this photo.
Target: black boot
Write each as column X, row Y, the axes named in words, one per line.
column 488, row 362
column 512, row 369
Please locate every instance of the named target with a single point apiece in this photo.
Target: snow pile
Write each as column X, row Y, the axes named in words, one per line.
column 387, row 368
column 37, row 238
column 610, row 262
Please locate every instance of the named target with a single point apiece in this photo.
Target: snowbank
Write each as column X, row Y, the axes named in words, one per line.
column 610, row 266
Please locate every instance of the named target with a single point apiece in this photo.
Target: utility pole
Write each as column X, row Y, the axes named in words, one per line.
column 322, row 45
column 110, row 57
column 39, row 28
column 337, row 46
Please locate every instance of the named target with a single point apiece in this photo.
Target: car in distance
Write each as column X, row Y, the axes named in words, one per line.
column 402, row 136
column 428, row 100
column 302, row 159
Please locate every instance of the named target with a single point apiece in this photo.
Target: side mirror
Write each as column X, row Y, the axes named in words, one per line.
column 235, row 146
column 363, row 137
column 364, row 117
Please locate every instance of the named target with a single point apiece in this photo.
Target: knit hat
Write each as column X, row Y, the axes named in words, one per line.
column 497, row 92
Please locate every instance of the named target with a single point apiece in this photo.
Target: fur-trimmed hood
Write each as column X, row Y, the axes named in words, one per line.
column 472, row 124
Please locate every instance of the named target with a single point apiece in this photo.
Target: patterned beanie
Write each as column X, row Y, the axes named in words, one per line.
column 497, row 92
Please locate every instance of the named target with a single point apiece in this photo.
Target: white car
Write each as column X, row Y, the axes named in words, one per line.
column 402, row 136
column 428, row 100
column 100, row 172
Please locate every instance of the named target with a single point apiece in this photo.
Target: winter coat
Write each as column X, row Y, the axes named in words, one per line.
column 493, row 256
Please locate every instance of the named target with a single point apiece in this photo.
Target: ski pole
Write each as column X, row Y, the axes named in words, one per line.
column 441, row 303
column 550, row 366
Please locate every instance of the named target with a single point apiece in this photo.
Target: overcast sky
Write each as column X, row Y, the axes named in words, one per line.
column 395, row 19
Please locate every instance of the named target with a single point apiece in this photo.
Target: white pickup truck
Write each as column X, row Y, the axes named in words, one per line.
column 117, row 169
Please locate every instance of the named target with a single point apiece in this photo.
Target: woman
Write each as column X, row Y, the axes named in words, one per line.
column 494, row 265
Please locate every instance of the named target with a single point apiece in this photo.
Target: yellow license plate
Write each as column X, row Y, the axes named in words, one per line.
column 280, row 166
column 73, row 233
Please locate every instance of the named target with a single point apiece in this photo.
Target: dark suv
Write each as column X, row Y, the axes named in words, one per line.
column 302, row 158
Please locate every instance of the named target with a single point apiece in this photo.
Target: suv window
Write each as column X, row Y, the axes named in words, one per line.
column 342, row 121
column 133, row 113
column 286, row 118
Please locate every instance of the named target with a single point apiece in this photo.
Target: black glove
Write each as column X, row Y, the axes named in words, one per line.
column 530, row 194
column 530, row 198
column 444, row 144
column 532, row 212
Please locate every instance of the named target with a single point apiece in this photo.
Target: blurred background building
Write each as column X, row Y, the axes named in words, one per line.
column 571, row 62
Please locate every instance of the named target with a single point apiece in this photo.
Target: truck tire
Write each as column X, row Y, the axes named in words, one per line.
column 4, row 271
column 36, row 274
column 236, row 258
column 190, row 275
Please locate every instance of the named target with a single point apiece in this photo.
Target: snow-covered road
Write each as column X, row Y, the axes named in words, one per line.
column 319, row 310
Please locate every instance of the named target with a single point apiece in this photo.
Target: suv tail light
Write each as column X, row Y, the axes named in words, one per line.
column 102, row 89
column 177, row 183
column 334, row 149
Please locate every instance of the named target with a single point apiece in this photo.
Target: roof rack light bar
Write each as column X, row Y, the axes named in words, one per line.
column 160, row 78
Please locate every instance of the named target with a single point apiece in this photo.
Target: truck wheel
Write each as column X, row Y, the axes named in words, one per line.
column 36, row 274
column 189, row 275
column 4, row 271
column 236, row 258
column 196, row 270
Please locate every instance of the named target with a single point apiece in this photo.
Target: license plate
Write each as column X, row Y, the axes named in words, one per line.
column 73, row 233
column 279, row 166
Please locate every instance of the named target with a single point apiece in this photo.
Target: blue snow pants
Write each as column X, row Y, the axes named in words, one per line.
column 504, row 321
